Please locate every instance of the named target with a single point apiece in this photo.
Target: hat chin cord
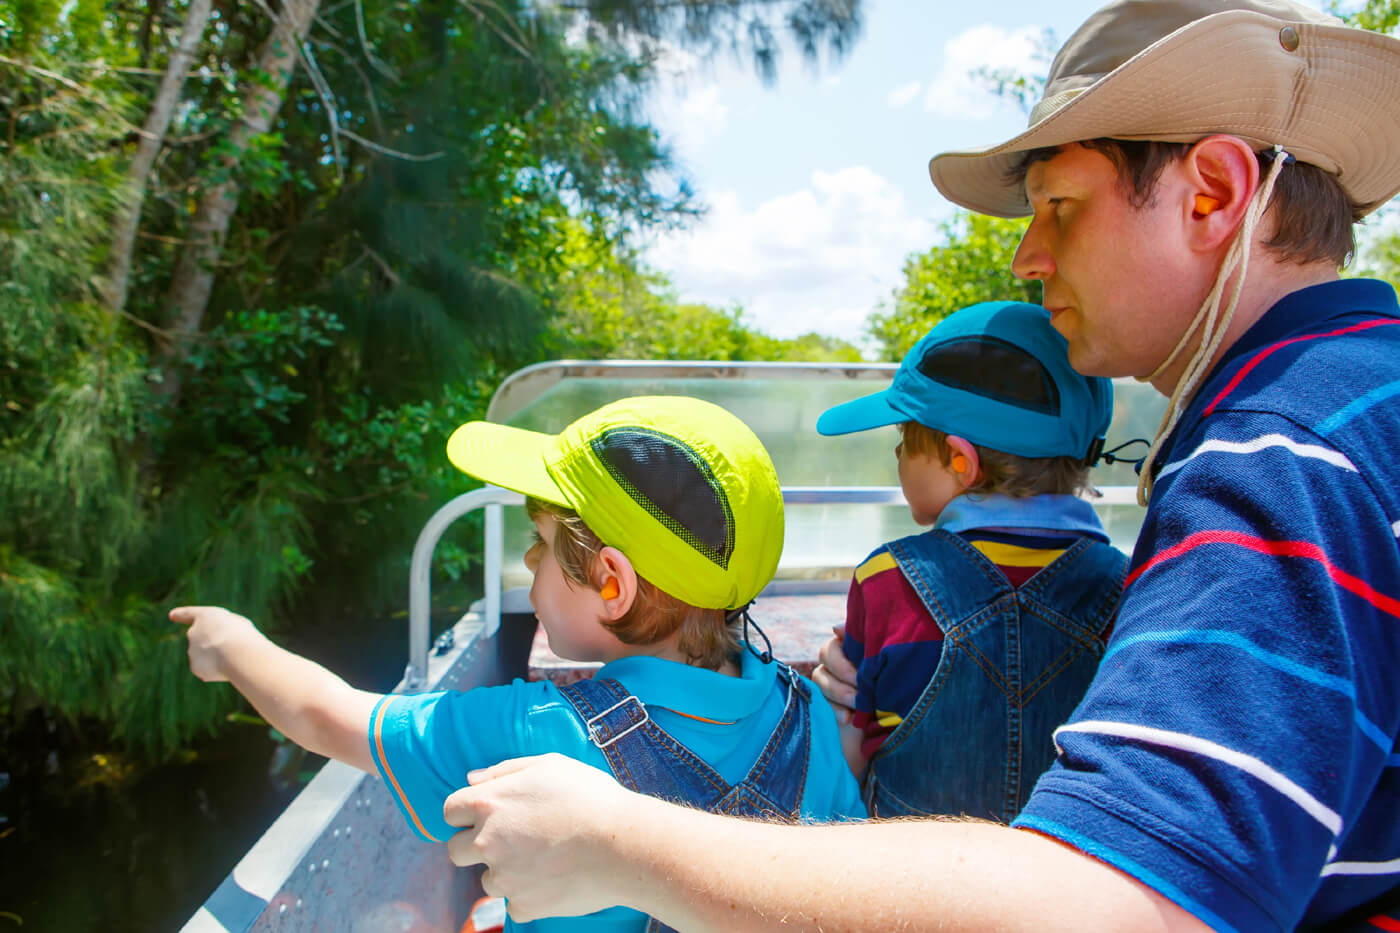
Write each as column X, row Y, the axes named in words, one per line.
column 1212, row 325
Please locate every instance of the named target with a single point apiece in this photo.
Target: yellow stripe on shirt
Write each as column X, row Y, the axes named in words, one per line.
column 887, row 720
column 877, row 564
column 1014, row 555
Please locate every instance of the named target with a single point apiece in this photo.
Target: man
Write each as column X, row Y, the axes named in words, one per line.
column 1192, row 176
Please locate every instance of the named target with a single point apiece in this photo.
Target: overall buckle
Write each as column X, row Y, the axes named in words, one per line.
column 592, row 721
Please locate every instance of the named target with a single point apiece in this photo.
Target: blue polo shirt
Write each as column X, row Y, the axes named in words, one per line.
column 1237, row 749
column 424, row 745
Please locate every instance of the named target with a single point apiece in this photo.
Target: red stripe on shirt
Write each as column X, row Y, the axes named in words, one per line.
column 1277, row 549
column 1382, row 922
column 1267, row 351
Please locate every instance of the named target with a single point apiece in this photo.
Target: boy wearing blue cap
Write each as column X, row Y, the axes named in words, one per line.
column 974, row 640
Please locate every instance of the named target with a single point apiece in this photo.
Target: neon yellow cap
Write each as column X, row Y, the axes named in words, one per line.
column 681, row 486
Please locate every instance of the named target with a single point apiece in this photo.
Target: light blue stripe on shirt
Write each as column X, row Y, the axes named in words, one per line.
column 1277, row 661
column 1370, row 399
column 1125, row 865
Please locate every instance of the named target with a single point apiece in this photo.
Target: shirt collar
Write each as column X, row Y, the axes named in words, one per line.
column 1049, row 512
column 694, row 691
column 1309, row 306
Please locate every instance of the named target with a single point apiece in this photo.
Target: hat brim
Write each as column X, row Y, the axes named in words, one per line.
column 508, row 457
column 861, row 414
column 1333, row 103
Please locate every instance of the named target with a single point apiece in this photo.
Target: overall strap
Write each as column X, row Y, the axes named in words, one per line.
column 952, row 578
column 1083, row 584
column 643, row 756
column 773, row 787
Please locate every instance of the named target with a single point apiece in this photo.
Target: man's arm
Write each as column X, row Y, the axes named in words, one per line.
column 299, row 698
column 560, row 838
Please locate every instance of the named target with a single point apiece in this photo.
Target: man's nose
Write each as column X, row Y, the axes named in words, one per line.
column 1032, row 259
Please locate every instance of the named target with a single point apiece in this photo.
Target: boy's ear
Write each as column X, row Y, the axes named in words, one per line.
column 964, row 461
column 616, row 582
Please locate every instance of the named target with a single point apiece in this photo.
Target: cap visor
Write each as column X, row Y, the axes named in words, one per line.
column 862, row 414
column 508, row 457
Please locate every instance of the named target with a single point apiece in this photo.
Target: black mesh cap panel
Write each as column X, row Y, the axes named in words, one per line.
column 993, row 368
column 673, row 483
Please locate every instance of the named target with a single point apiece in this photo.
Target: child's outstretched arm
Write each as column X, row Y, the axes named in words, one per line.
column 299, row 698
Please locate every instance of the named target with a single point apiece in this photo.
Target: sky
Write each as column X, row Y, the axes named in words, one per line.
column 817, row 187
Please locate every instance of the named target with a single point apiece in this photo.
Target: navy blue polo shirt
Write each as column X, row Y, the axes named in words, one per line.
column 1237, row 749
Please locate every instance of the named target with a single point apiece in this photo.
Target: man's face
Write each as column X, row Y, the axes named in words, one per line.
column 1117, row 280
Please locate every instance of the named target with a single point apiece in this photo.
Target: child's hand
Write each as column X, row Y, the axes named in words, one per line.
column 211, row 631
column 835, row 675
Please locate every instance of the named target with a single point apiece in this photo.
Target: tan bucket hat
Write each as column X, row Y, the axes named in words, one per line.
column 1271, row 72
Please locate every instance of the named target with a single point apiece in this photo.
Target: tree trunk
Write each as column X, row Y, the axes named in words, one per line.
column 152, row 139
column 194, row 273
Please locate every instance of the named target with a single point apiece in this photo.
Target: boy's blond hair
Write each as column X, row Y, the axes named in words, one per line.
column 1000, row 472
column 706, row 638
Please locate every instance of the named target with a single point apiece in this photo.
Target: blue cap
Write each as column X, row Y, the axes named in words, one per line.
column 997, row 374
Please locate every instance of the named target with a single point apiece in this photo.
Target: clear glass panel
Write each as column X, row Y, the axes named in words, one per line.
column 781, row 405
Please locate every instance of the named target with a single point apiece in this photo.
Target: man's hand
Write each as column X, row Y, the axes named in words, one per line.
column 835, row 676
column 540, row 826
column 211, row 631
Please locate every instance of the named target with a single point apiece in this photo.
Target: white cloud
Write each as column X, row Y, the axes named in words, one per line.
column 820, row 258
column 902, row 95
column 953, row 92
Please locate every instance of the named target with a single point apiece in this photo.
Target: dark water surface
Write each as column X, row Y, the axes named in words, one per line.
column 141, row 855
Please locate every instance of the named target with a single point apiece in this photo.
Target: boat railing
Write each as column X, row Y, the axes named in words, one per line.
column 492, row 501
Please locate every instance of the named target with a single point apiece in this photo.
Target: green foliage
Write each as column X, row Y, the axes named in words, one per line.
column 246, row 378
column 1022, row 88
column 1377, row 15
column 746, row 29
column 1380, row 259
column 972, row 264
column 606, row 305
column 464, row 208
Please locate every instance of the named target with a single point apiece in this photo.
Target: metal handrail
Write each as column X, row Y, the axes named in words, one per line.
column 493, row 499
column 524, row 386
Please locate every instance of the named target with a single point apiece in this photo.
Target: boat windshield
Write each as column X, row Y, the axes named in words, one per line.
column 781, row 402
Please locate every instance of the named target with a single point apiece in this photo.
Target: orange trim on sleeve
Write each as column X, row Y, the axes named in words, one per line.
column 389, row 773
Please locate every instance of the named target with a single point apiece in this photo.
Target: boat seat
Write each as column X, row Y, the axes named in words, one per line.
column 797, row 624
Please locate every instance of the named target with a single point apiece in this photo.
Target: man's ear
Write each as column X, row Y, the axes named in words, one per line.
column 1220, row 175
column 964, row 461
column 616, row 582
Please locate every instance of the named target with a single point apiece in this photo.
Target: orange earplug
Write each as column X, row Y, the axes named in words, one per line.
column 959, row 463
column 1205, row 204
column 609, row 590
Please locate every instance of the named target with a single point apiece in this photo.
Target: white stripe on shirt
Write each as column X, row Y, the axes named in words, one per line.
column 1391, row 867
column 1190, row 743
column 1315, row 451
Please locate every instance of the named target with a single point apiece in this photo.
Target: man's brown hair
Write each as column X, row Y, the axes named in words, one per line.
column 1314, row 215
column 706, row 638
column 1000, row 472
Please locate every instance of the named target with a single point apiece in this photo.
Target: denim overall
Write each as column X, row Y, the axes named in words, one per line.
column 646, row 759
column 1015, row 663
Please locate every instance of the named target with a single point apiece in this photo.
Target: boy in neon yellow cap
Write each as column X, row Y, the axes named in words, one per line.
column 658, row 520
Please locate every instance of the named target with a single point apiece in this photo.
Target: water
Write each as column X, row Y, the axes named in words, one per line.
column 141, row 854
